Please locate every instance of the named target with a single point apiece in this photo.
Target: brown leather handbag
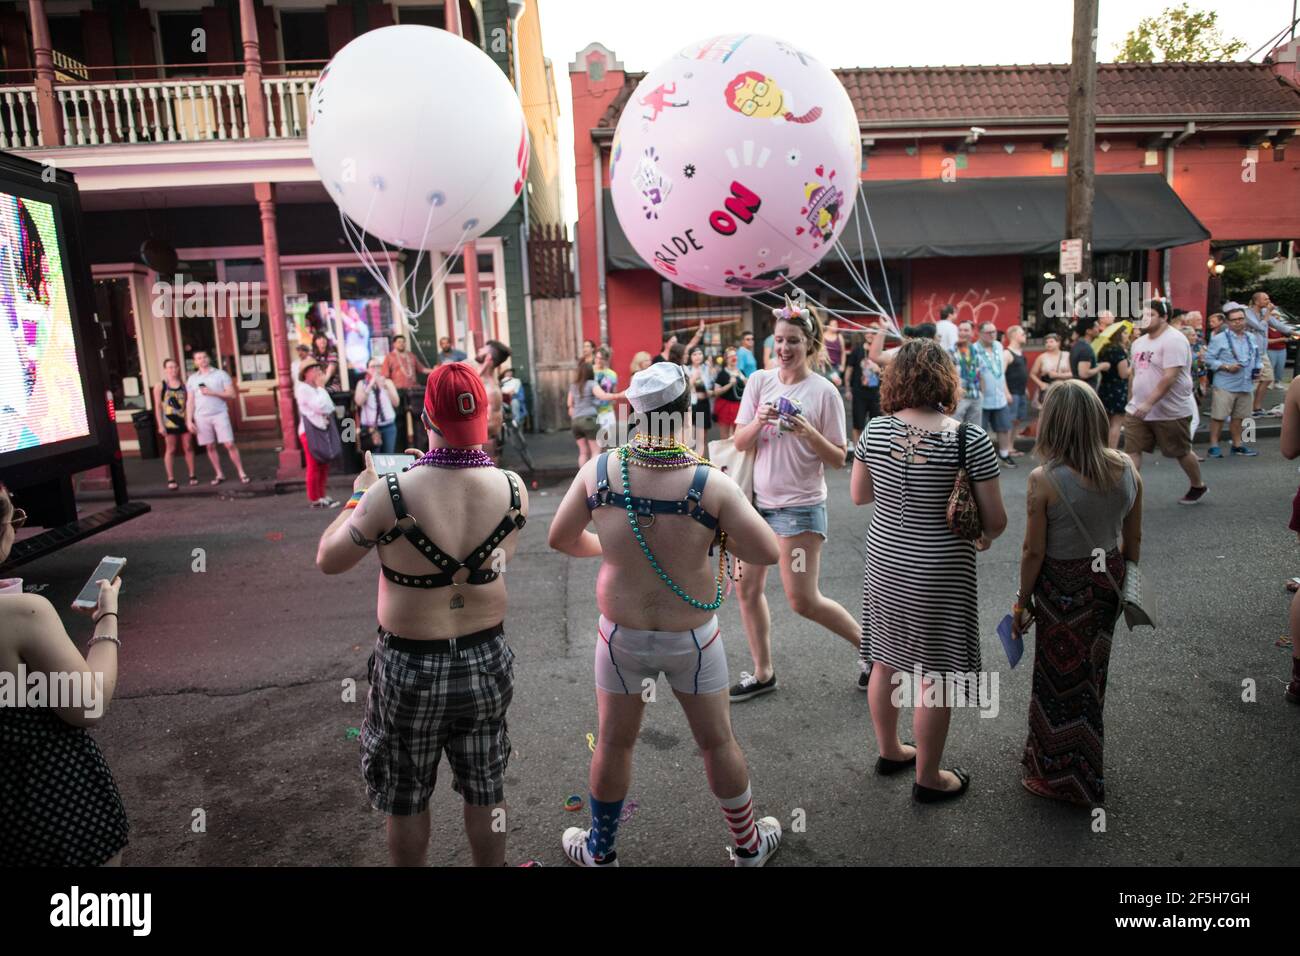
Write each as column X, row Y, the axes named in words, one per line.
column 963, row 511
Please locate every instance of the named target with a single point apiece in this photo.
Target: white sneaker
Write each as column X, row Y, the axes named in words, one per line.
column 769, row 839
column 318, row 503
column 575, row 848
column 328, row 502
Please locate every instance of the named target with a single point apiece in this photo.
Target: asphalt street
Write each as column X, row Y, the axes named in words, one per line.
column 231, row 701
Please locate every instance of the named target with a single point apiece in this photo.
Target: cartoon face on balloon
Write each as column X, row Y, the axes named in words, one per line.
column 722, row 173
column 753, row 94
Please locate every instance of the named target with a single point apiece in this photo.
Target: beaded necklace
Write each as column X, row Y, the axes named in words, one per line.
column 455, row 458
column 658, row 453
column 649, row 452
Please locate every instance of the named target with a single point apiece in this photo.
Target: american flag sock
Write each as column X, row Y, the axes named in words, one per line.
column 604, row 826
column 739, row 812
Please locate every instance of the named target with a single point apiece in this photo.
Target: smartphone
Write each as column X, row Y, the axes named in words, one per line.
column 391, row 464
column 108, row 570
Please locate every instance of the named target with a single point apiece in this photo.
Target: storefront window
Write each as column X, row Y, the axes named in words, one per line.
column 365, row 315
column 121, row 349
column 1043, row 289
column 197, row 332
column 683, row 311
column 460, row 300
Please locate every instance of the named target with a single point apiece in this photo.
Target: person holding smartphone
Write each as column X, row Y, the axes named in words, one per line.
column 377, row 398
column 61, row 805
column 208, row 416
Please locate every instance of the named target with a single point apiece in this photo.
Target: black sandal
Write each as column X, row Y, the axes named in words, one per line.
column 171, row 484
column 886, row 767
column 933, row 795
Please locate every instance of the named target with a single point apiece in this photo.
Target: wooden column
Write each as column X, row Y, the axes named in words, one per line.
column 47, row 107
column 469, row 256
column 290, row 464
column 254, row 101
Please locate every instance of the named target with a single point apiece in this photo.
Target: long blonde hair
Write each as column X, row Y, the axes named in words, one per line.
column 807, row 320
column 1072, row 431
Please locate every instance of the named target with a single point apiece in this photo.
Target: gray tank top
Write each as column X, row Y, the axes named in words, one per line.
column 1102, row 514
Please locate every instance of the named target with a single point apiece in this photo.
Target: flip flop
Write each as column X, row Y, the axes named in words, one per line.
column 171, row 485
column 934, row 795
column 217, row 481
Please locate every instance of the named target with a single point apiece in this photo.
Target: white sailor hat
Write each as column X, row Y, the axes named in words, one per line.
column 656, row 386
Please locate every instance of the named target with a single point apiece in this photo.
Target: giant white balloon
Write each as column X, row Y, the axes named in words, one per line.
column 418, row 136
column 735, row 164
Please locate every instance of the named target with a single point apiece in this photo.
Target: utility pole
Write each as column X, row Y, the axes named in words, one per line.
column 1083, row 131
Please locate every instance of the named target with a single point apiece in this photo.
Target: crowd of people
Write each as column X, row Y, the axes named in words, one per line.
column 927, row 452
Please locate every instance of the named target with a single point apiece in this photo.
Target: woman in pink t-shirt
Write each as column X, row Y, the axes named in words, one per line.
column 794, row 420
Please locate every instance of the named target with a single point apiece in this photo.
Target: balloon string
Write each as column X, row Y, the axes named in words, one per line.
column 876, row 242
column 863, row 281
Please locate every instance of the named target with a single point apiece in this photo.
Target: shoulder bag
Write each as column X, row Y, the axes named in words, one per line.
column 963, row 510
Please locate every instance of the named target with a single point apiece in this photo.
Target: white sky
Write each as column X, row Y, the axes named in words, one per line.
column 846, row 33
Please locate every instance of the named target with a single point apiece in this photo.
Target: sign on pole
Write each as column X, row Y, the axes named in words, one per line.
column 1071, row 257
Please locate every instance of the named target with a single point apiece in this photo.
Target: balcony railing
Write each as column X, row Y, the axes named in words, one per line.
column 20, row 126
column 156, row 111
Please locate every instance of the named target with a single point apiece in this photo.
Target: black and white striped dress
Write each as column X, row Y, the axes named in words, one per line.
column 920, row 606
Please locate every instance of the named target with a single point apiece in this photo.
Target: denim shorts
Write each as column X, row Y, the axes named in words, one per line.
column 1019, row 408
column 997, row 419
column 787, row 522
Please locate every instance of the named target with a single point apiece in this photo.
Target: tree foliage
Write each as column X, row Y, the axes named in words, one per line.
column 1178, row 35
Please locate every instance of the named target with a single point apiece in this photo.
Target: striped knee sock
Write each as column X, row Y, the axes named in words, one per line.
column 604, row 826
column 739, row 812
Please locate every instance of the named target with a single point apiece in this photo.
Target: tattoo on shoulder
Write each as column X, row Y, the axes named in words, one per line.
column 360, row 540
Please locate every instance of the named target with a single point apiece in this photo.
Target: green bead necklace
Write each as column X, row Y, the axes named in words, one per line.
column 654, row 564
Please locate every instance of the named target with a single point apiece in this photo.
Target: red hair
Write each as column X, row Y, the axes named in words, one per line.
column 737, row 83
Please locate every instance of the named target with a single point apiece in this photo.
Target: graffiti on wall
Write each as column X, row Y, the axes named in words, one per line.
column 972, row 306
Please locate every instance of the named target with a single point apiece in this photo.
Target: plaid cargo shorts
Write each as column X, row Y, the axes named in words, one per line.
column 423, row 703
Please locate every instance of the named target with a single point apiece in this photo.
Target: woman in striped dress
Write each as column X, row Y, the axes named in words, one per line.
column 920, row 607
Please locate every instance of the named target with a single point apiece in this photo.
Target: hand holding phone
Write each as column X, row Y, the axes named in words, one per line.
column 100, row 592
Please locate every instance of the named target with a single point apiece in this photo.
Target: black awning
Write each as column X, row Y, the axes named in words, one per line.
column 1024, row 215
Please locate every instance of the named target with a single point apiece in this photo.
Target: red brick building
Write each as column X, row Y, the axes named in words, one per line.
column 1191, row 158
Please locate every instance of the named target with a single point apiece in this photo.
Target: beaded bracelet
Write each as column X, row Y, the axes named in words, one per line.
column 104, row 637
column 354, row 500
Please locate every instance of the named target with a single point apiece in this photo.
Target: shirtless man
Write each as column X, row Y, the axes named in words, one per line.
column 490, row 359
column 441, row 674
column 657, row 613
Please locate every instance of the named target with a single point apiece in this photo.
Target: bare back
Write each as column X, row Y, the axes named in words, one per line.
column 628, row 590
column 457, row 509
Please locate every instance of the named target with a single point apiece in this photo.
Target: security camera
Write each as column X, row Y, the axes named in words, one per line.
column 978, row 130
column 516, row 8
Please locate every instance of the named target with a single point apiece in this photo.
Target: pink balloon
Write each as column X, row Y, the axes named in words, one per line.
column 735, row 165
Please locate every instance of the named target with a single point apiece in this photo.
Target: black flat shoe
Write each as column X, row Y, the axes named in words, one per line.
column 932, row 795
column 885, row 767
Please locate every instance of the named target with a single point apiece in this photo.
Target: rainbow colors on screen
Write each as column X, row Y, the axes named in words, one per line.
column 41, row 398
